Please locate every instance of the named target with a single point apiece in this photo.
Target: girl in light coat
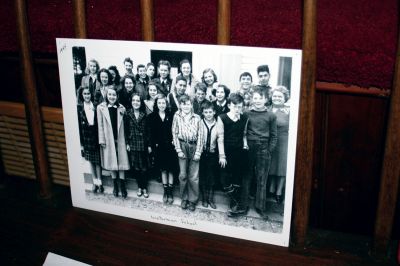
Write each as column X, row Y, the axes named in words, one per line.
column 114, row 156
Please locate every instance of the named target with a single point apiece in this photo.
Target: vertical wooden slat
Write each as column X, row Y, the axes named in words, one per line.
column 79, row 18
column 147, row 20
column 391, row 167
column 224, row 22
column 305, row 135
column 32, row 109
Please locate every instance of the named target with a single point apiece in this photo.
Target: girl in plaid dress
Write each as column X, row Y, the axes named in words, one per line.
column 88, row 133
column 138, row 144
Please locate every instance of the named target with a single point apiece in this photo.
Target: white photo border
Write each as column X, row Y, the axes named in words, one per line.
column 68, row 93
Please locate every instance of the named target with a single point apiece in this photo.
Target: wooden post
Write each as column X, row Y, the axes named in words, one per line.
column 305, row 135
column 32, row 109
column 390, row 169
column 79, row 18
column 147, row 20
column 224, row 22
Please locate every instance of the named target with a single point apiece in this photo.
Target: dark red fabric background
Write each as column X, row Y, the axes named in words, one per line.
column 356, row 38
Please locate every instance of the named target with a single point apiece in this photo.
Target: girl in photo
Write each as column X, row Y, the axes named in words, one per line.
column 105, row 82
column 88, row 132
column 161, row 142
column 125, row 94
column 151, row 70
column 210, row 79
column 153, row 90
column 114, row 157
column 116, row 78
column 185, row 70
column 90, row 80
column 137, row 142
column 178, row 91
column 221, row 95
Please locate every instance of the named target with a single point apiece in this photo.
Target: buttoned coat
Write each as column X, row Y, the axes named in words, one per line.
column 108, row 154
column 88, row 134
column 137, row 131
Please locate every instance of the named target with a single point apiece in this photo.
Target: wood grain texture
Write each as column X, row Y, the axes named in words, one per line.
column 391, row 168
column 305, row 133
column 147, row 14
column 224, row 22
column 104, row 239
column 32, row 110
column 79, row 18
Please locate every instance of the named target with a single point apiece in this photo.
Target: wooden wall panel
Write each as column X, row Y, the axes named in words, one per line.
column 350, row 147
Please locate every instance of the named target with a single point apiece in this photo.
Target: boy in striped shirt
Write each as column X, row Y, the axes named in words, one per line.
column 188, row 142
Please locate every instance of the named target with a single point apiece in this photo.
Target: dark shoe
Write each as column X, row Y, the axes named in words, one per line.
column 184, row 204
column 124, row 193
column 212, row 204
column 166, row 194
column 101, row 189
column 170, row 195
column 205, row 204
column 262, row 214
column 116, row 189
column 95, row 188
column 145, row 194
column 238, row 211
column 192, row 206
column 229, row 189
column 278, row 199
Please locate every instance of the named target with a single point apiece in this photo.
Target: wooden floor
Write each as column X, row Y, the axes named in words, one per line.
column 32, row 227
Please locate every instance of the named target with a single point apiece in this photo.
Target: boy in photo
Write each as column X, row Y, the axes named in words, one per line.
column 200, row 96
column 213, row 152
column 263, row 79
column 188, row 142
column 128, row 64
column 234, row 145
column 261, row 135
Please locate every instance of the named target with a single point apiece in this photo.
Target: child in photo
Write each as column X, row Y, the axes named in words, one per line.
column 116, row 78
column 245, row 89
column 164, row 79
column 91, row 80
column 261, row 134
column 89, row 136
column 188, row 142
column 185, row 70
column 263, row 80
column 210, row 79
column 137, row 142
column 166, row 159
column 128, row 64
column 235, row 146
column 105, row 82
column 153, row 90
column 199, row 98
column 127, row 89
column 150, row 70
column 142, row 81
column 114, row 157
column 221, row 95
column 178, row 91
column 213, row 153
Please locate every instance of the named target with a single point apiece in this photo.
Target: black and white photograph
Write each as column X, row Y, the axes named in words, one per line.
column 201, row 137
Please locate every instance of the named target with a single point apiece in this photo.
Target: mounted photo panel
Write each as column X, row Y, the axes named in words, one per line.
column 201, row 137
